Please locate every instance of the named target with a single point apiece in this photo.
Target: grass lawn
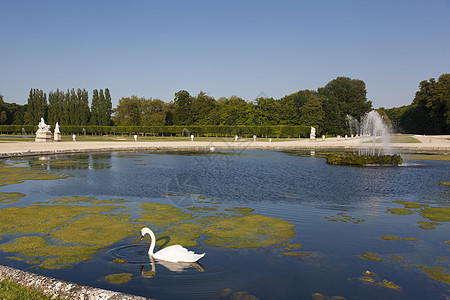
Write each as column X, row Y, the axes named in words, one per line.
column 10, row 290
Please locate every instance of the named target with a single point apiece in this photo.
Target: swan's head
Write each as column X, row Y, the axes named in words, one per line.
column 144, row 231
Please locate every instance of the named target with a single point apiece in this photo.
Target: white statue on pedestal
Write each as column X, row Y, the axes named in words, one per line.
column 57, row 128
column 43, row 134
column 43, row 127
column 312, row 135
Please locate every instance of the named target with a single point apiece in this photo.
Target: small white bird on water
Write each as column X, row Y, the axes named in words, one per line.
column 174, row 253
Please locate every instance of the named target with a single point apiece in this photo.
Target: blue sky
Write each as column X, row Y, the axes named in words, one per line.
column 224, row 48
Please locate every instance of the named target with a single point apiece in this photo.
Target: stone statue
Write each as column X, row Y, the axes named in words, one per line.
column 312, row 135
column 57, row 135
column 43, row 127
column 57, row 128
column 43, row 134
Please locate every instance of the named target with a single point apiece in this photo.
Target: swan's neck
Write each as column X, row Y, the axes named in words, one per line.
column 153, row 242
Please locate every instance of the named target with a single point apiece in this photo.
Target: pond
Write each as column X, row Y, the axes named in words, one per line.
column 273, row 224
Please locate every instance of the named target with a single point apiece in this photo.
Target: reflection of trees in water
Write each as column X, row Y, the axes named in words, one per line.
column 71, row 162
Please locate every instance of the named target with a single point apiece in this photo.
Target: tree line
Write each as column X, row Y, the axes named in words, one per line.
column 429, row 112
column 325, row 108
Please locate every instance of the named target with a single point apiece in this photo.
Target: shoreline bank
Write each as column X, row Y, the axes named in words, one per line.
column 16, row 149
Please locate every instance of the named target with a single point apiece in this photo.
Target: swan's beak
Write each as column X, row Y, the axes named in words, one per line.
column 142, row 237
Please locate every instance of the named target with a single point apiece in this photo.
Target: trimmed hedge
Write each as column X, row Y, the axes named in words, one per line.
column 198, row 130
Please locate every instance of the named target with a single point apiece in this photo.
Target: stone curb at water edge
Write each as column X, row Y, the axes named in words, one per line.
column 59, row 288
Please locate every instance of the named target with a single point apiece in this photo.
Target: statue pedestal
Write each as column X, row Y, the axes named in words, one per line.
column 57, row 137
column 312, row 137
column 45, row 136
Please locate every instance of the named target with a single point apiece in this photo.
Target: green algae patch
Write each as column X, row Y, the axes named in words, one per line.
column 447, row 183
column 408, row 204
column 70, row 199
column 240, row 210
column 396, row 238
column 201, row 209
column 102, row 230
column 42, row 218
column 110, row 201
column 15, row 258
column 120, row 261
column 436, row 273
column 53, row 256
column 438, row 214
column 297, row 253
column 248, row 231
column 13, row 175
column 400, row 211
column 428, row 225
column 162, row 214
column 11, row 197
column 389, row 285
column 366, row 279
column 370, row 256
column 395, row 258
column 184, row 234
column 341, row 217
column 120, row 278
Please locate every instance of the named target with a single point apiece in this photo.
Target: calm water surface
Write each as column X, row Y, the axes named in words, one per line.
column 302, row 190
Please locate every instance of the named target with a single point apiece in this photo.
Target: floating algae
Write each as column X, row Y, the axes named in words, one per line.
column 120, row 278
column 54, row 256
column 240, row 210
column 370, row 256
column 162, row 214
column 110, row 201
column 396, row 238
column 447, row 183
column 10, row 197
column 408, row 204
column 120, row 261
column 101, row 230
column 297, row 253
column 12, row 174
column 436, row 273
column 184, row 234
column 341, row 217
column 43, row 218
column 201, row 208
column 319, row 296
column 366, row 279
column 428, row 225
column 248, row 231
column 438, row 214
column 389, row 285
column 400, row 211
column 69, row 199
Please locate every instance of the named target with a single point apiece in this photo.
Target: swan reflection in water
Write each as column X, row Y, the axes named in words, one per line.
column 172, row 266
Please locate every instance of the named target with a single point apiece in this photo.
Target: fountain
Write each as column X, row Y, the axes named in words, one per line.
column 374, row 143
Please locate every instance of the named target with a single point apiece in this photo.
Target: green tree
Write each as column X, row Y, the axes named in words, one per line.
column 129, row 111
column 95, row 108
column 344, row 96
column 182, row 114
column 105, row 108
column 429, row 112
column 37, row 106
column 312, row 112
column 201, row 108
column 83, row 107
column 153, row 112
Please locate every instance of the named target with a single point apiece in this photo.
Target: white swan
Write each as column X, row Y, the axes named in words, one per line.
column 174, row 253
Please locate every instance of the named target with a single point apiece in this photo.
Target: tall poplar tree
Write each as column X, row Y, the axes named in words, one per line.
column 37, row 106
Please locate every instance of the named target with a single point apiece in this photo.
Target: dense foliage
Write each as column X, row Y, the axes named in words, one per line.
column 326, row 109
column 429, row 113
